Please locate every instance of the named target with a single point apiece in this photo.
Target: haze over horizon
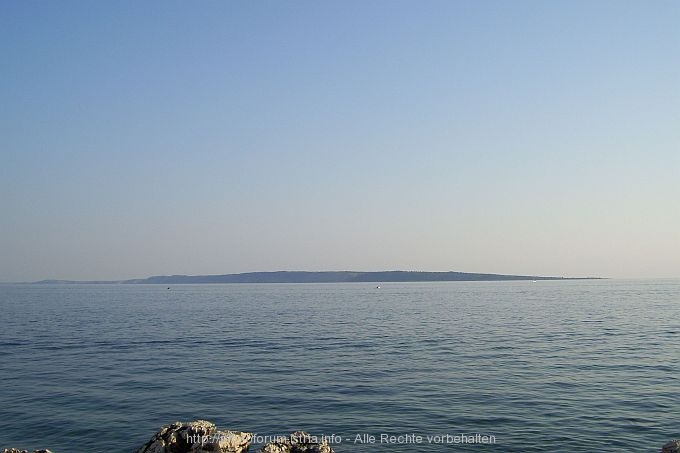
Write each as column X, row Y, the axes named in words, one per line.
column 160, row 138
column 345, row 276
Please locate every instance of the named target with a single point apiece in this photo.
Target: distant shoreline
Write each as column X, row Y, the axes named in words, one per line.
column 321, row 277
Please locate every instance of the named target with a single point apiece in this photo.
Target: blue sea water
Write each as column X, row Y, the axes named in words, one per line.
column 568, row 366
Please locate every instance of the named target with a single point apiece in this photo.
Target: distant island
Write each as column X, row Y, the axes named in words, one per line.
column 325, row 277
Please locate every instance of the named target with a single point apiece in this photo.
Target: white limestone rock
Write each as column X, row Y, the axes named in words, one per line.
column 297, row 442
column 199, row 436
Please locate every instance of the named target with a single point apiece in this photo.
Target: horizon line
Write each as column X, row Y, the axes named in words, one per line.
column 302, row 272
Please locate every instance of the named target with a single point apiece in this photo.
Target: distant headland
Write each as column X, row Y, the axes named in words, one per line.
column 325, row 277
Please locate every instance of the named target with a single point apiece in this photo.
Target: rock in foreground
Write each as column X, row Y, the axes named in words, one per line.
column 202, row 436
column 199, row 436
column 16, row 450
column 298, row 442
column 671, row 447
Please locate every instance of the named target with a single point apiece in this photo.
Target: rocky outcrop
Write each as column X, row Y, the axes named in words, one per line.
column 202, row 436
column 199, row 436
column 16, row 450
column 298, row 442
column 671, row 447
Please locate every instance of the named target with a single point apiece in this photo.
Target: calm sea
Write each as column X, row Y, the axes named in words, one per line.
column 552, row 366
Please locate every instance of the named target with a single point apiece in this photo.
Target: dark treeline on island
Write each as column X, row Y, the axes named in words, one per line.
column 325, row 277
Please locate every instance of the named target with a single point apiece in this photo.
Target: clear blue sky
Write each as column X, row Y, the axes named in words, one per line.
column 142, row 138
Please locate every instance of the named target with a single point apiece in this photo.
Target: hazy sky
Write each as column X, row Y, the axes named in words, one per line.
column 143, row 138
